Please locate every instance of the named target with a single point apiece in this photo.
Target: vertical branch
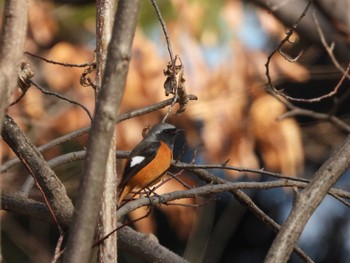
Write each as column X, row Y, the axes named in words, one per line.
column 107, row 251
column 105, row 10
column 119, row 52
column 306, row 203
column 14, row 29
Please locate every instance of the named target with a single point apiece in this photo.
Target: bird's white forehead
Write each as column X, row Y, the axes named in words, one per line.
column 136, row 160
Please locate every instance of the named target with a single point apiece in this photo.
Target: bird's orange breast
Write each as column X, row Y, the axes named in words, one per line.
column 151, row 173
column 158, row 166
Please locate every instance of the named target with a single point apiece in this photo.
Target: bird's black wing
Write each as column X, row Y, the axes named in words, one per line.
column 147, row 150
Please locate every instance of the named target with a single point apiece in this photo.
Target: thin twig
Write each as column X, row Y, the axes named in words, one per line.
column 19, row 98
column 329, row 94
column 249, row 203
column 59, row 63
column 193, row 167
column 171, row 55
column 97, row 243
column 328, row 48
column 70, row 136
column 296, row 111
column 51, row 93
column 239, row 169
column 289, row 33
column 58, row 251
column 165, row 30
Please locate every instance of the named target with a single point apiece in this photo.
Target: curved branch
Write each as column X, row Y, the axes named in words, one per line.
column 52, row 189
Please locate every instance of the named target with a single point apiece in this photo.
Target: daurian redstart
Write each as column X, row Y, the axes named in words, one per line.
column 149, row 160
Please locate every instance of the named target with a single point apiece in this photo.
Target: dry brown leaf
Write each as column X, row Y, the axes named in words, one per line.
column 33, row 103
column 41, row 23
column 279, row 141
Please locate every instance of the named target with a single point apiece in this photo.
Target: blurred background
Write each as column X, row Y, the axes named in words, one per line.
column 223, row 46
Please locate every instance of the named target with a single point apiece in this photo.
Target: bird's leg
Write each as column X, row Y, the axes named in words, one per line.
column 148, row 194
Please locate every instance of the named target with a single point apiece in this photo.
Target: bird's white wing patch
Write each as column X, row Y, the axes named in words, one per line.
column 136, row 160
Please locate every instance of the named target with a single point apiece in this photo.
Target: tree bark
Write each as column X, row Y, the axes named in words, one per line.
column 119, row 52
column 49, row 185
column 14, row 29
column 107, row 251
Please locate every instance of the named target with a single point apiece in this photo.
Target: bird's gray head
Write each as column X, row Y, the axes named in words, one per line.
column 165, row 132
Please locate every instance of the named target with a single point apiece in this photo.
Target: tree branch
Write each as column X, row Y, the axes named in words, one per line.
column 306, row 203
column 52, row 189
column 128, row 239
column 24, row 206
column 113, row 84
column 146, row 247
column 14, row 29
column 80, row 132
column 107, row 251
column 248, row 202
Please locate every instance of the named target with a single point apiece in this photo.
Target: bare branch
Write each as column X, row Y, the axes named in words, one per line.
column 64, row 64
column 328, row 95
column 236, row 168
column 112, row 89
column 219, row 188
column 105, row 11
column 246, row 200
column 46, row 92
column 329, row 49
column 14, row 29
column 296, row 111
column 22, row 205
column 306, row 203
column 286, row 39
column 146, row 247
column 51, row 187
column 128, row 239
column 70, row 136
column 165, row 31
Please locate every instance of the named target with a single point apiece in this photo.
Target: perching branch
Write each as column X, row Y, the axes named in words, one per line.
column 248, row 202
column 70, row 136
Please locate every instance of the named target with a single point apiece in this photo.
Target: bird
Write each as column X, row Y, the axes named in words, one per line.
column 149, row 160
